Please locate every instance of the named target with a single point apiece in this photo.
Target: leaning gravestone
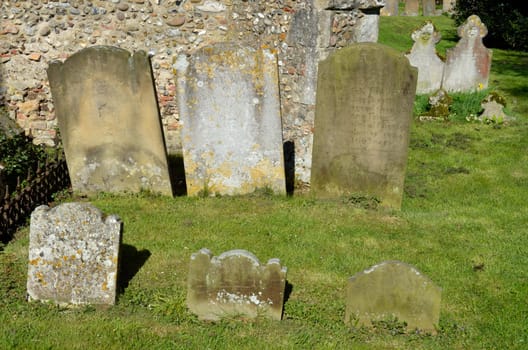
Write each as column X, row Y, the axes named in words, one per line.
column 229, row 106
column 108, row 118
column 424, row 57
column 235, row 284
column 365, row 97
column 73, row 255
column 411, row 7
column 393, row 289
column 468, row 64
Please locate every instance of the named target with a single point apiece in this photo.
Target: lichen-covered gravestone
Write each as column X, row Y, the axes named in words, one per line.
column 235, row 283
column 228, row 99
column 424, row 57
column 73, row 255
column 393, row 289
column 365, row 96
column 109, row 122
column 468, row 64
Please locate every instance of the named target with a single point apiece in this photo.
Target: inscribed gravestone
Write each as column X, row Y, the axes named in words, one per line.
column 391, row 8
column 468, row 64
column 412, row 7
column 424, row 57
column 363, row 115
column 429, row 7
column 108, row 118
column 73, row 255
column 393, row 289
column 229, row 106
column 235, row 283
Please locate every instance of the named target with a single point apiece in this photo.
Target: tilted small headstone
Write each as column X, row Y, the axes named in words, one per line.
column 109, row 121
column 412, row 7
column 235, row 284
column 429, row 8
column 468, row 64
column 424, row 57
column 73, row 255
column 493, row 110
column 390, row 8
column 393, row 289
column 229, row 106
column 365, row 96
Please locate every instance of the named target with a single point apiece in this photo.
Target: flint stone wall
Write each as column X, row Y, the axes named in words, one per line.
column 73, row 255
column 33, row 33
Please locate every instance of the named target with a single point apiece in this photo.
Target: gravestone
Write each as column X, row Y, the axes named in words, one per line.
column 393, row 289
column 229, row 106
column 411, row 7
column 73, row 255
column 390, row 9
column 424, row 57
column 235, row 284
column 448, row 5
column 109, row 122
column 365, row 97
column 429, row 7
column 468, row 64
column 493, row 110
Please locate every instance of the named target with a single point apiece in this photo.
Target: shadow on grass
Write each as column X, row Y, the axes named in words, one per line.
column 130, row 262
column 288, row 289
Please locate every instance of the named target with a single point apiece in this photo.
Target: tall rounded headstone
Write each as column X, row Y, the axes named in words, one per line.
column 365, row 97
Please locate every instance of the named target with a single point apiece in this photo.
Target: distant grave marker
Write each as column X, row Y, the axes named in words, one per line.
column 412, row 7
column 109, row 122
column 73, row 255
column 424, row 57
column 468, row 64
column 365, row 97
column 229, row 106
column 390, row 8
column 429, row 7
column 235, row 284
column 393, row 289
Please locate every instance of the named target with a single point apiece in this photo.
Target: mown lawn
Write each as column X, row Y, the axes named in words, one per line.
column 464, row 223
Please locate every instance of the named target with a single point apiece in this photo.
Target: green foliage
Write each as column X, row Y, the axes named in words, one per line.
column 507, row 21
column 18, row 154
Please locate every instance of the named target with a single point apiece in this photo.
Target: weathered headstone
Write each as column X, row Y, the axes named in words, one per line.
column 365, row 97
column 493, row 109
column 391, row 8
column 229, row 106
column 468, row 64
column 235, row 284
column 448, row 5
column 73, row 255
column 411, row 7
column 109, row 122
column 393, row 289
column 424, row 57
column 429, row 7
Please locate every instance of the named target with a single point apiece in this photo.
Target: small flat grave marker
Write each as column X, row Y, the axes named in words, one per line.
column 73, row 255
column 393, row 289
column 235, row 284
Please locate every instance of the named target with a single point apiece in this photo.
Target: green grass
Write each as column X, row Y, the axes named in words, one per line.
column 464, row 223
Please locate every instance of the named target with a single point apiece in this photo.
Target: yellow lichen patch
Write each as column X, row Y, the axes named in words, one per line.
column 104, row 286
column 34, row 262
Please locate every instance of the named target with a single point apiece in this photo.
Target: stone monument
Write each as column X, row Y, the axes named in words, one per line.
column 411, row 7
column 393, row 289
column 73, row 255
column 424, row 57
column 229, row 106
column 365, row 97
column 391, row 8
column 235, row 284
column 108, row 118
column 468, row 64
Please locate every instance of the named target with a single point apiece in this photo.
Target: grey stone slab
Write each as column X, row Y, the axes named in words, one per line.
column 73, row 255
column 429, row 8
column 365, row 97
column 109, row 122
column 468, row 64
column 228, row 98
column 424, row 57
column 448, row 5
column 411, row 7
column 235, row 283
column 393, row 289
column 391, row 8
